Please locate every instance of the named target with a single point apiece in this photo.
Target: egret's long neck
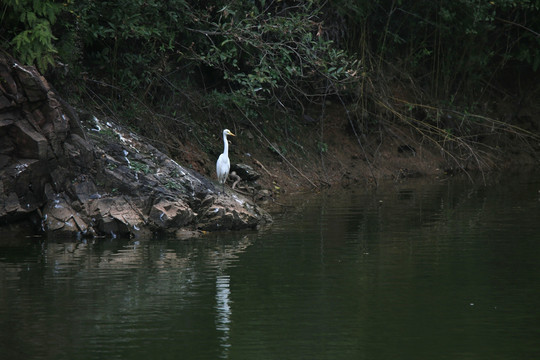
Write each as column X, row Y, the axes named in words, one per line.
column 225, row 145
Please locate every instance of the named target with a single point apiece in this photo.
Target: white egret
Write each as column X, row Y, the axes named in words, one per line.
column 223, row 164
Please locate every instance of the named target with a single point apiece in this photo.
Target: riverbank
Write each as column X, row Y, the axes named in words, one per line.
column 71, row 172
column 328, row 153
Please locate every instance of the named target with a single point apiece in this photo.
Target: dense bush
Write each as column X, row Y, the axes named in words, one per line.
column 286, row 50
column 26, row 29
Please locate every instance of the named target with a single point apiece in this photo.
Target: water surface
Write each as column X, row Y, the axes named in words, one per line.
column 421, row 270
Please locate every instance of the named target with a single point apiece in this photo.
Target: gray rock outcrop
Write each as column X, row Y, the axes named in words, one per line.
column 75, row 174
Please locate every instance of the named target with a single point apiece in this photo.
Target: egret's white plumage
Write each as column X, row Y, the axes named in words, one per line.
column 223, row 164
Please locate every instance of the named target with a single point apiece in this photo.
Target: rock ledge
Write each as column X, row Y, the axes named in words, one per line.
column 73, row 174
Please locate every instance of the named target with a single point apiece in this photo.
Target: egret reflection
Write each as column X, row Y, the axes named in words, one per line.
column 223, row 312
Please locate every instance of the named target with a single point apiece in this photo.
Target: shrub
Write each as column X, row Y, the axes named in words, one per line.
column 27, row 24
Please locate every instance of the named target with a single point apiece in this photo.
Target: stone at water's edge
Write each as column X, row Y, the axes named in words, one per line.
column 84, row 176
column 245, row 172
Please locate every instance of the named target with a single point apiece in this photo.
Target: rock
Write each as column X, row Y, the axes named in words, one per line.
column 5, row 102
column 9, row 87
column 85, row 190
column 4, row 160
column 83, row 153
column 116, row 215
column 5, row 121
column 246, row 172
column 32, row 83
column 183, row 234
column 30, row 143
column 94, row 177
column 168, row 214
column 60, row 218
column 263, row 195
column 231, row 212
column 11, row 203
column 6, row 144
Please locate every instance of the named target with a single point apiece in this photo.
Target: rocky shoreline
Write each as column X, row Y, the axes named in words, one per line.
column 75, row 175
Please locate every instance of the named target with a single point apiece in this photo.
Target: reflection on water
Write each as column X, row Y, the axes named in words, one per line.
column 433, row 269
column 223, row 311
column 107, row 299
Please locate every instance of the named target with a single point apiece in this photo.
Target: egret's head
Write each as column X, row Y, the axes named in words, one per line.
column 228, row 132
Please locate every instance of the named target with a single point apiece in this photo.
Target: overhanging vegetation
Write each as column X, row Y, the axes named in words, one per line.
column 182, row 67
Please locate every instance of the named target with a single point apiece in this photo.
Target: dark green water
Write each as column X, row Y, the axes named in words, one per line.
column 432, row 270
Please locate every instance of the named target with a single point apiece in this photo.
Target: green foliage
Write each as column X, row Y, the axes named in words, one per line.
column 165, row 65
column 111, row 166
column 322, row 147
column 266, row 56
column 140, row 167
column 171, row 185
column 28, row 24
column 128, row 41
column 273, row 52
